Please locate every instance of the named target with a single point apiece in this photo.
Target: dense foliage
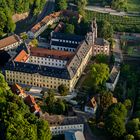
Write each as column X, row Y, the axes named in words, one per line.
column 61, row 5
column 17, row 123
column 119, row 23
column 99, row 73
column 53, row 105
column 10, row 7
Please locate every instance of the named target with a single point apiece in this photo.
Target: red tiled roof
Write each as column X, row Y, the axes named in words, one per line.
column 44, row 21
column 29, row 100
column 43, row 52
column 52, row 16
column 17, row 89
column 8, row 41
column 35, row 108
column 21, row 57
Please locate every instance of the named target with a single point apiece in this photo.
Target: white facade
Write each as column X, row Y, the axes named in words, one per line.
column 47, row 61
column 61, row 129
column 62, row 48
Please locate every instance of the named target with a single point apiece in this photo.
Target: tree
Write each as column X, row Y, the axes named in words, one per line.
column 101, row 58
column 55, row 106
column 43, row 130
column 60, row 107
column 99, row 73
column 129, row 137
column 119, row 4
column 69, row 29
column 81, row 4
column 34, row 42
column 16, row 120
column 61, row 5
column 117, row 109
column 63, row 90
column 115, row 126
column 106, row 30
column 128, row 104
column 137, row 135
column 106, row 100
column 133, row 126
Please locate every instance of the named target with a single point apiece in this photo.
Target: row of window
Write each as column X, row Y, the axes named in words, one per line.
column 47, row 63
column 34, row 83
column 63, row 48
column 68, row 41
column 48, row 59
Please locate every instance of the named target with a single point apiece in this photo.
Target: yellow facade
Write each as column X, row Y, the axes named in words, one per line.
column 45, row 81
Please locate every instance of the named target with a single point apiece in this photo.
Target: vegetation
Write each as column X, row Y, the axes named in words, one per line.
column 69, row 28
column 10, row 7
column 34, row 42
column 53, row 105
column 101, row 58
column 63, row 90
column 99, row 73
column 81, row 4
column 119, row 23
column 106, row 100
column 105, row 30
column 16, row 120
column 115, row 126
column 61, row 5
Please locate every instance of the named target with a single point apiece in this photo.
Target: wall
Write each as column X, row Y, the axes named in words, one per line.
column 57, row 130
column 47, row 61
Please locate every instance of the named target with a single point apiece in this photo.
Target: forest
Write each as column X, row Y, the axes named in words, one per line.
column 10, row 7
column 17, row 123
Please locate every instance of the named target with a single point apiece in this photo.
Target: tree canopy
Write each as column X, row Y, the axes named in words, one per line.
column 10, row 7
column 69, row 28
column 118, row 109
column 115, row 126
column 63, row 90
column 61, row 5
column 105, row 30
column 99, row 73
column 106, row 100
column 16, row 120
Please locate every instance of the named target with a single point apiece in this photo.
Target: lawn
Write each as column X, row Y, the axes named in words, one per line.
column 133, row 5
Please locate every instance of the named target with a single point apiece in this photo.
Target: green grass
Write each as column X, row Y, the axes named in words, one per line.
column 133, row 5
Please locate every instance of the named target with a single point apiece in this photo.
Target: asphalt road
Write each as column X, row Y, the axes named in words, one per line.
column 48, row 8
column 109, row 10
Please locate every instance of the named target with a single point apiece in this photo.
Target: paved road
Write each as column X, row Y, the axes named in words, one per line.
column 48, row 8
column 110, row 11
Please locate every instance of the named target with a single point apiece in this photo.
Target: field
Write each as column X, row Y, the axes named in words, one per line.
column 133, row 5
column 121, row 24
